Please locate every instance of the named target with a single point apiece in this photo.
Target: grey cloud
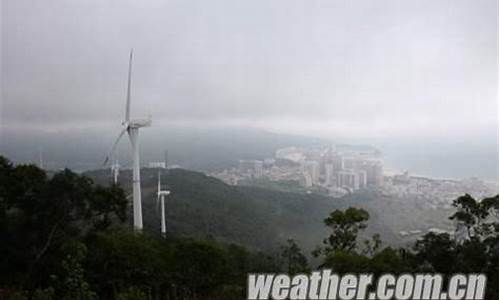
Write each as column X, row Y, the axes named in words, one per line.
column 349, row 67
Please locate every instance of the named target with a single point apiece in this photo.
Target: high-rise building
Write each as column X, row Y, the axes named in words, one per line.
column 254, row 167
column 362, row 178
column 352, row 163
column 157, row 164
column 258, row 168
column 329, row 174
column 269, row 162
column 338, row 162
column 312, row 168
column 374, row 172
column 348, row 179
column 306, row 180
column 245, row 166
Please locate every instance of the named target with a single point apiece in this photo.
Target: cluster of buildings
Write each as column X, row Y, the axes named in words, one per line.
column 341, row 171
column 427, row 202
column 435, row 194
column 251, row 168
column 327, row 167
column 432, row 197
column 337, row 171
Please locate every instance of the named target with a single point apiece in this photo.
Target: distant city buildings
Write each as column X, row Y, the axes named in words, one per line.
column 306, row 180
column 254, row 168
column 290, row 153
column 329, row 174
column 269, row 162
column 157, row 165
column 334, row 169
column 160, row 164
column 348, row 179
column 339, row 171
column 311, row 168
column 328, row 168
column 342, row 170
column 374, row 172
column 401, row 178
column 348, row 170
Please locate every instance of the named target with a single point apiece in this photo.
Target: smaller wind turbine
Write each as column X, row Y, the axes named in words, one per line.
column 40, row 158
column 115, row 171
column 161, row 199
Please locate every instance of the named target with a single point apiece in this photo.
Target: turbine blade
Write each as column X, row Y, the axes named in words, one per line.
column 114, row 146
column 127, row 108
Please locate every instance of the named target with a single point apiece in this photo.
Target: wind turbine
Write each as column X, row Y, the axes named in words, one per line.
column 115, row 171
column 161, row 198
column 131, row 126
column 40, row 158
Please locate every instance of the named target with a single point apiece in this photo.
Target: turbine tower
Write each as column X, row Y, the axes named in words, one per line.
column 115, row 171
column 131, row 126
column 40, row 158
column 161, row 198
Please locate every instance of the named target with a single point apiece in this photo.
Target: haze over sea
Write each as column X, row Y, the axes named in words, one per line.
column 452, row 158
column 442, row 159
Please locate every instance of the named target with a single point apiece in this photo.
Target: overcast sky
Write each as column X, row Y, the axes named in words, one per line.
column 342, row 68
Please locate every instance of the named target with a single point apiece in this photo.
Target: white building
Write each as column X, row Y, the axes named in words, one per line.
column 258, row 168
column 374, row 173
column 312, row 168
column 306, row 180
column 157, row 165
column 348, row 179
column 363, row 181
column 329, row 174
column 290, row 153
column 252, row 167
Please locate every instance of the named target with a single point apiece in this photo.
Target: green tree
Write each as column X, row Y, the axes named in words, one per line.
column 121, row 258
column 71, row 283
column 438, row 250
column 390, row 260
column 200, row 266
column 371, row 247
column 39, row 214
column 132, row 293
column 342, row 262
column 345, row 226
column 469, row 212
column 293, row 258
column 477, row 252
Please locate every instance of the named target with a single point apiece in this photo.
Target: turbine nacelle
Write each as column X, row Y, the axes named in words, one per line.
column 163, row 193
column 138, row 123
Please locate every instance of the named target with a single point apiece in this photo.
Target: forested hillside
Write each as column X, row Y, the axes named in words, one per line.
column 201, row 206
column 65, row 236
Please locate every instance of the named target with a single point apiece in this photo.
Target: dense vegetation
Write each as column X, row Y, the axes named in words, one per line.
column 203, row 207
column 65, row 237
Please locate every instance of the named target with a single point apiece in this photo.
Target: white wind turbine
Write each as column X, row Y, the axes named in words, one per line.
column 161, row 198
column 115, row 171
column 132, row 128
column 40, row 158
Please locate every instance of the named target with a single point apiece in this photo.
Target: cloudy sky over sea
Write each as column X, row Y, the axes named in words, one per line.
column 383, row 70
